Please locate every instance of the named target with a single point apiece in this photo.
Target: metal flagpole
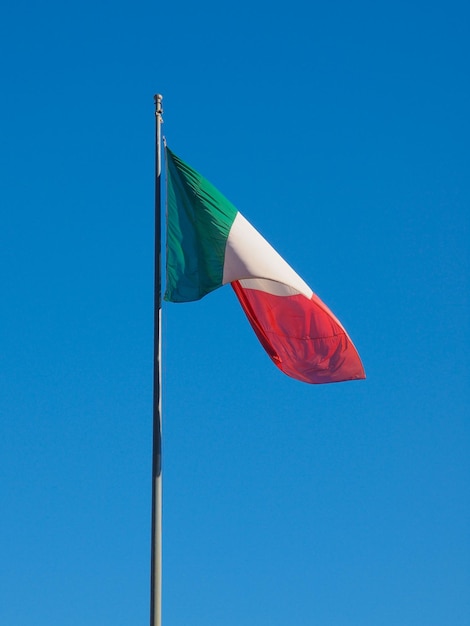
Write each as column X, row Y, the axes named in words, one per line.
column 156, row 541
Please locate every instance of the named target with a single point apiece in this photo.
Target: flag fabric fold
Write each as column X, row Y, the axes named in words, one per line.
column 210, row 244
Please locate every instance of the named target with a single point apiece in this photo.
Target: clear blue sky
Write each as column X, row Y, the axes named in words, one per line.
column 341, row 131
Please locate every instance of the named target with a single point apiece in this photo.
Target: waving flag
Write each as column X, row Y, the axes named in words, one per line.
column 210, row 244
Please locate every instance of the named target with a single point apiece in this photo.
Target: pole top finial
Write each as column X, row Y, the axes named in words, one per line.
column 158, row 103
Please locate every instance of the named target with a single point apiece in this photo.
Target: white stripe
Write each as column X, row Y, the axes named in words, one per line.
column 269, row 286
column 249, row 256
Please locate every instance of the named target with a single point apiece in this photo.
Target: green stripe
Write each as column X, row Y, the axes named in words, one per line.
column 199, row 219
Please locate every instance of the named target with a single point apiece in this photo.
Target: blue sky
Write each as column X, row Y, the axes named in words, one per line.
column 341, row 131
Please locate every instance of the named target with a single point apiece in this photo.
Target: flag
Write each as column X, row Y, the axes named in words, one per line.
column 210, row 244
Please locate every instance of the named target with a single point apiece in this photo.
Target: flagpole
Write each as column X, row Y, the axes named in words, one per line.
column 156, row 540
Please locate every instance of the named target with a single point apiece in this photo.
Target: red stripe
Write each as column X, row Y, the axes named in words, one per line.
column 301, row 336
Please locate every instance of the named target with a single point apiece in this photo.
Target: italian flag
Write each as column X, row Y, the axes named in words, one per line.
column 210, row 244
